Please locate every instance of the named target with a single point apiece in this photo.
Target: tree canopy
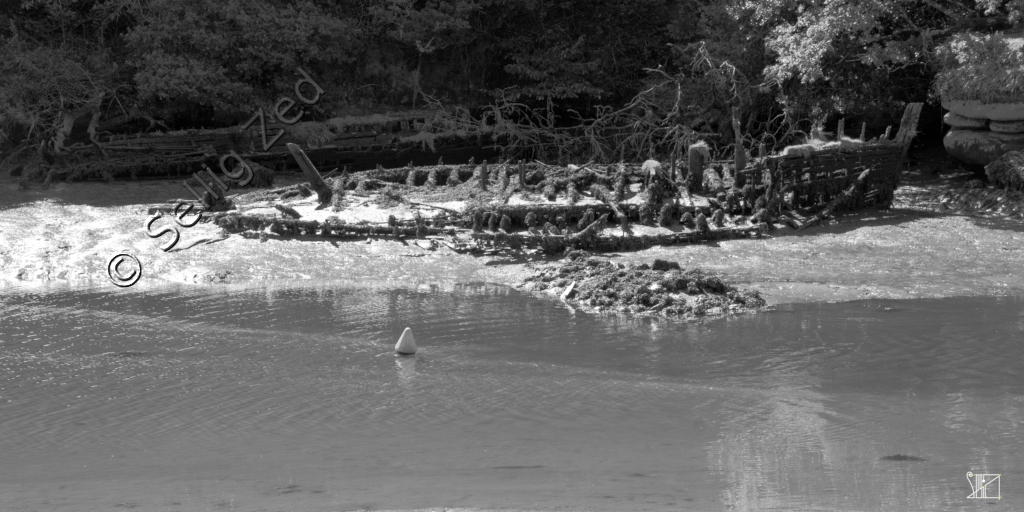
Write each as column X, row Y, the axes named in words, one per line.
column 202, row 62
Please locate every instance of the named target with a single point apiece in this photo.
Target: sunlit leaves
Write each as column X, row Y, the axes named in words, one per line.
column 986, row 67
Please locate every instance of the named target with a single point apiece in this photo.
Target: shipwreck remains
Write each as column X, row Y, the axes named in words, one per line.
column 357, row 142
column 521, row 205
column 833, row 167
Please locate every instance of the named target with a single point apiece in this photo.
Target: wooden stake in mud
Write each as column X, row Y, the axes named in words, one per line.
column 522, row 173
column 908, row 125
column 841, row 129
column 908, row 129
column 323, row 192
column 863, row 132
column 741, row 155
column 696, row 163
column 483, row 176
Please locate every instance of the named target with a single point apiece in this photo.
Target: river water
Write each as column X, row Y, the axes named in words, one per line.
column 291, row 398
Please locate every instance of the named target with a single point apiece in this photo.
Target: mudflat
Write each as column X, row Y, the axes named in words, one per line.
column 65, row 236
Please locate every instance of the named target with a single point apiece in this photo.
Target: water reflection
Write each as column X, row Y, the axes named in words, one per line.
column 406, row 369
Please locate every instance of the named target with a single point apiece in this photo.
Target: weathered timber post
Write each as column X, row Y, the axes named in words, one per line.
column 323, row 192
column 741, row 154
column 908, row 129
column 841, row 129
column 696, row 164
column 522, row 174
column 483, row 176
column 672, row 167
column 863, row 132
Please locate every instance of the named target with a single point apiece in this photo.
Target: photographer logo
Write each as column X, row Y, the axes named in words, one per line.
column 984, row 486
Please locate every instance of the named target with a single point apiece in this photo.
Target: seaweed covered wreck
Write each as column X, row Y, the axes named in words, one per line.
column 532, row 205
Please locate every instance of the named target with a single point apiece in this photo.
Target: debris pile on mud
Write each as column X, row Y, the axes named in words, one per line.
column 661, row 289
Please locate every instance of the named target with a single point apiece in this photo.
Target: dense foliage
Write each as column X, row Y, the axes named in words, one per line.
column 986, row 67
column 772, row 63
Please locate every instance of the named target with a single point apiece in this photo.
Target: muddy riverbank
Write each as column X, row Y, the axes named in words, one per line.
column 65, row 236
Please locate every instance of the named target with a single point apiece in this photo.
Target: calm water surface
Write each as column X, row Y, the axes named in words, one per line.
column 291, row 399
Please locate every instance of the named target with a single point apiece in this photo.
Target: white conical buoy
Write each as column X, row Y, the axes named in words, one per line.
column 406, row 344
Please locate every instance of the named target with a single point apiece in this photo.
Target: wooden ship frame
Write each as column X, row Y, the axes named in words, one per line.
column 357, row 142
column 796, row 189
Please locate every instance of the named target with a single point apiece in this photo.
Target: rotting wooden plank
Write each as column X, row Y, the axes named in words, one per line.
column 908, row 129
column 833, row 156
column 908, row 125
column 613, row 242
column 851, row 192
column 841, row 151
column 788, row 168
column 323, row 191
column 854, row 164
column 824, row 169
column 882, row 166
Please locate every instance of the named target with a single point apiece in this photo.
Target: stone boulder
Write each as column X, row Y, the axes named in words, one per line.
column 1007, row 171
column 1007, row 126
column 980, row 147
column 992, row 111
column 958, row 121
column 983, row 132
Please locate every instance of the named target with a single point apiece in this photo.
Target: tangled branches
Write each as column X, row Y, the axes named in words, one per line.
column 44, row 90
column 672, row 112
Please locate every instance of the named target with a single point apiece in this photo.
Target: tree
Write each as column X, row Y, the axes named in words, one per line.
column 417, row 30
column 592, row 50
column 232, row 54
column 829, row 50
column 985, row 67
column 58, row 61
